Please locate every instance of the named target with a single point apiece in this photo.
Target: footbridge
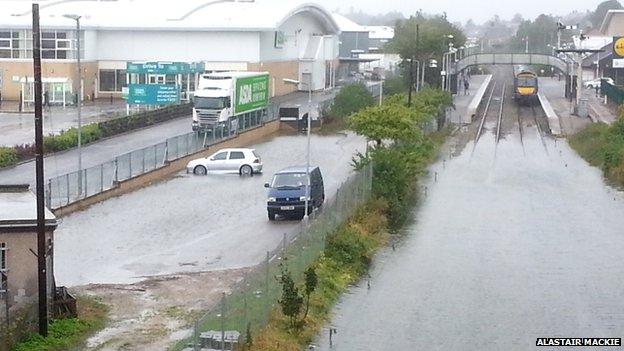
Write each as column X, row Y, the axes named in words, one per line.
column 511, row 59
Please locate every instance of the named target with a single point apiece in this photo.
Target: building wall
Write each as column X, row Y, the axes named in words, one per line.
column 353, row 41
column 50, row 68
column 297, row 30
column 22, row 267
column 183, row 46
column 278, row 70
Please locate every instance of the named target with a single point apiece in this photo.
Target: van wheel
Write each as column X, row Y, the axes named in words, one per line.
column 271, row 215
column 200, row 170
column 245, row 170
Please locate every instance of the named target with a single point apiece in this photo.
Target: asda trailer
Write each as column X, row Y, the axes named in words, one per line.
column 228, row 99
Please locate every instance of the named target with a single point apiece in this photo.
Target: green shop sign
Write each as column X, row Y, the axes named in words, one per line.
column 252, row 93
column 164, row 67
column 153, row 94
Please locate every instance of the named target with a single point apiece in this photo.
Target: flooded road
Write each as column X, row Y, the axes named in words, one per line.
column 504, row 249
column 191, row 223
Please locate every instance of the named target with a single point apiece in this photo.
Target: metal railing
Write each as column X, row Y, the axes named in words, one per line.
column 72, row 187
column 245, row 308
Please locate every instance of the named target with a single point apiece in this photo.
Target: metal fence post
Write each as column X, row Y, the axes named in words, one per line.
column 116, row 175
column 166, row 151
column 223, row 321
column 67, row 181
column 130, row 165
column 49, row 197
column 266, row 286
column 155, row 156
column 86, row 186
column 101, row 177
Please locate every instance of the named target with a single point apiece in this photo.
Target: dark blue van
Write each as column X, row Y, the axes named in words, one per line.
column 286, row 195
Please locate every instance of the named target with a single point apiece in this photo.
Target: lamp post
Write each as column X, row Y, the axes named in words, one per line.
column 307, row 193
column 445, row 65
column 78, row 97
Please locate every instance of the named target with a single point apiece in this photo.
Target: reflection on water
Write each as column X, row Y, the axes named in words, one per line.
column 502, row 251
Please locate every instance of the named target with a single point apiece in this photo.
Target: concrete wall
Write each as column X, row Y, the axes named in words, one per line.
column 22, row 267
column 178, row 46
column 127, row 186
column 50, row 68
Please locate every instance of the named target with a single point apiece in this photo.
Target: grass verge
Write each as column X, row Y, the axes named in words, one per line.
column 71, row 333
column 602, row 146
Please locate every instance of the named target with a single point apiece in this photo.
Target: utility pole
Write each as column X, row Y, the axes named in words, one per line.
column 41, row 234
column 411, row 82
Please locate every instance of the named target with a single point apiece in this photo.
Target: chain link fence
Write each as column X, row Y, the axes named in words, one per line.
column 72, row 187
column 246, row 307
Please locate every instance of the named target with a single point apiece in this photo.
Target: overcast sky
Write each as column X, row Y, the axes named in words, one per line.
column 462, row 10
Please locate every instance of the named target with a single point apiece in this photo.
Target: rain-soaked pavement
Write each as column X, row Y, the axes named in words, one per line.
column 500, row 252
column 191, row 223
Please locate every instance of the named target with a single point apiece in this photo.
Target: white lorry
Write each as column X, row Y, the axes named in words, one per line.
column 223, row 96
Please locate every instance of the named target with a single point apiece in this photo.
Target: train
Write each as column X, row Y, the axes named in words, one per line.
column 525, row 85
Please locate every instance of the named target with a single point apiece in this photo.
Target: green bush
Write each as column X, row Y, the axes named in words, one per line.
column 69, row 138
column 8, row 156
column 350, row 99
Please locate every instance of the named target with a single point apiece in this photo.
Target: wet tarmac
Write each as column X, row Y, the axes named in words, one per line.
column 504, row 249
column 191, row 223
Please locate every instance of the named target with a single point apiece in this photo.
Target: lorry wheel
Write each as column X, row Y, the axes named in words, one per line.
column 200, row 170
column 246, row 170
column 271, row 215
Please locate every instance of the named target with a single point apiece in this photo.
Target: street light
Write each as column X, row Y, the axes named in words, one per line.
column 307, row 194
column 78, row 97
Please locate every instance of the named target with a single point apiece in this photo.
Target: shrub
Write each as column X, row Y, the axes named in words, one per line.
column 69, row 138
column 8, row 157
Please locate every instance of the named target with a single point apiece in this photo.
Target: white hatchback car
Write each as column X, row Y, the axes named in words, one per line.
column 241, row 161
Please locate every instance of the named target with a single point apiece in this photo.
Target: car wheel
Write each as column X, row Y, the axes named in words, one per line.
column 246, row 170
column 271, row 215
column 200, row 170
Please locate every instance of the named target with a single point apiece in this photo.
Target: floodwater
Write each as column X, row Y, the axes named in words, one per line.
column 191, row 223
column 502, row 250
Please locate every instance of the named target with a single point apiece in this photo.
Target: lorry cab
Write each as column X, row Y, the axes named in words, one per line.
column 287, row 191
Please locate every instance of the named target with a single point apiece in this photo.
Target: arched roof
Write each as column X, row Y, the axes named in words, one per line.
column 194, row 15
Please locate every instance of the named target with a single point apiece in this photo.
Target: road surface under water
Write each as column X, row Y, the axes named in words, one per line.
column 191, row 223
column 503, row 249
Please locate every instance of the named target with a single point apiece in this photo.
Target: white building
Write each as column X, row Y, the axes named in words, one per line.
column 289, row 41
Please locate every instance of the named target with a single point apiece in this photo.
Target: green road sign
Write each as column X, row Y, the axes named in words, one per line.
column 252, row 93
column 153, row 94
column 164, row 67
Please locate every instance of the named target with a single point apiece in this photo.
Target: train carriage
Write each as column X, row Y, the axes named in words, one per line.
column 525, row 85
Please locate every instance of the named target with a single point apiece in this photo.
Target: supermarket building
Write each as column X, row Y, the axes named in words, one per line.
column 298, row 42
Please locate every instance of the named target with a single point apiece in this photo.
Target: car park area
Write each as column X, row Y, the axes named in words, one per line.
column 191, row 223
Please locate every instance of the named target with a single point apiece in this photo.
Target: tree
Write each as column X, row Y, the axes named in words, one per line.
column 351, row 98
column 311, row 281
column 599, row 14
column 430, row 43
column 291, row 301
column 388, row 121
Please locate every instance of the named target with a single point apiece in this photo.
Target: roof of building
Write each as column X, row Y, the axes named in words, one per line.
column 347, row 25
column 380, row 32
column 18, row 209
column 608, row 18
column 197, row 15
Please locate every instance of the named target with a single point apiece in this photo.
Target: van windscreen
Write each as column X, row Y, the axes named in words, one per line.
column 288, row 180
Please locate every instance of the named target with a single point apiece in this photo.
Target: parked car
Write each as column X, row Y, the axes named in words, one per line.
column 591, row 84
column 241, row 161
column 287, row 192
